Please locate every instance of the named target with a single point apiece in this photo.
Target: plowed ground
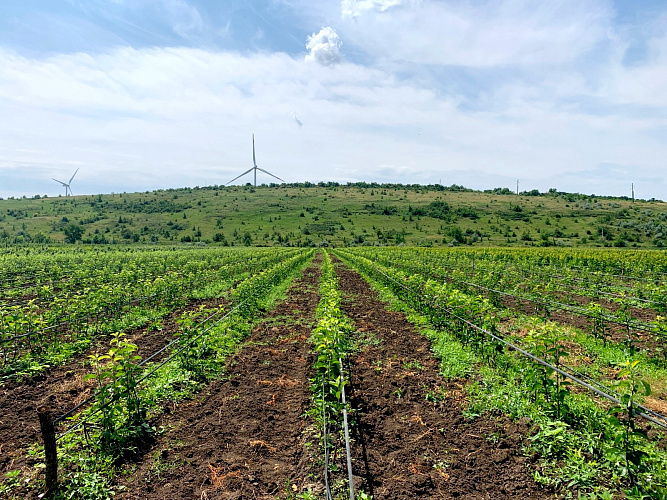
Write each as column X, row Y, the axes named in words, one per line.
column 243, row 437
column 411, row 439
column 61, row 388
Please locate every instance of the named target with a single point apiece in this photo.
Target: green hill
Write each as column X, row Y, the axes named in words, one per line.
column 328, row 213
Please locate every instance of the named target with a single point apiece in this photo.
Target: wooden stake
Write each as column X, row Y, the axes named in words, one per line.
column 50, row 449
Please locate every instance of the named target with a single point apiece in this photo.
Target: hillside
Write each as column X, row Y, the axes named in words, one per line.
column 308, row 214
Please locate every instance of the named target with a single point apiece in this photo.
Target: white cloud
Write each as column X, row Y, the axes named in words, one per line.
column 184, row 18
column 354, row 8
column 324, row 47
column 477, row 34
column 169, row 117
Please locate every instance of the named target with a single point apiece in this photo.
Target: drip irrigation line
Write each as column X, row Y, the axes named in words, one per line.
column 83, row 318
column 155, row 369
column 622, row 276
column 526, row 273
column 107, row 308
column 100, row 312
column 145, row 376
column 143, row 362
column 325, row 438
column 560, row 305
column 82, row 282
column 591, row 380
column 420, row 271
column 646, row 413
column 350, row 478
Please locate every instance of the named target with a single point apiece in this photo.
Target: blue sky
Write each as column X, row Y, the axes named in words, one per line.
column 145, row 94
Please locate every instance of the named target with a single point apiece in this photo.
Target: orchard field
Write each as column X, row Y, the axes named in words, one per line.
column 367, row 372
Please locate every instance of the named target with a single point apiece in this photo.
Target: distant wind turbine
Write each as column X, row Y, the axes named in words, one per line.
column 255, row 167
column 68, row 189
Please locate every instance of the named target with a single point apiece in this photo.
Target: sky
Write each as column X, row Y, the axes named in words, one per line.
column 149, row 94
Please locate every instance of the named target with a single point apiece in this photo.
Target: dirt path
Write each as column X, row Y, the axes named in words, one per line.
column 62, row 387
column 243, row 438
column 410, row 438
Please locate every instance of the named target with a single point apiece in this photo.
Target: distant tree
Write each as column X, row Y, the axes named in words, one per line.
column 73, row 233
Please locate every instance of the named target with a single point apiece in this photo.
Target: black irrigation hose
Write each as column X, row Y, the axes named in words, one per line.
column 100, row 312
column 660, row 420
column 143, row 362
column 564, row 307
column 325, row 438
column 147, row 375
column 525, row 273
column 78, row 292
column 155, row 369
column 350, row 479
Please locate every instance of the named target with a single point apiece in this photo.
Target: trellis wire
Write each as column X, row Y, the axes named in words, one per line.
column 659, row 419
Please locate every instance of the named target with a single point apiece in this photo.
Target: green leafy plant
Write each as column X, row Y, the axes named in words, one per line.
column 599, row 328
column 122, row 412
column 628, row 436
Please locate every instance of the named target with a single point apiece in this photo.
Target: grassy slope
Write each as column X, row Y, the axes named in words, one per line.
column 340, row 215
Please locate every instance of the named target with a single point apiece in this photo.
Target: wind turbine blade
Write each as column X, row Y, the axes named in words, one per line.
column 246, row 172
column 70, row 181
column 266, row 172
column 253, row 151
column 61, row 182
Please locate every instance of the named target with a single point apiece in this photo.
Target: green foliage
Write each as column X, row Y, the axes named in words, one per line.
column 547, row 343
column 122, row 412
column 600, row 328
column 627, row 436
column 73, row 233
column 580, row 449
column 282, row 216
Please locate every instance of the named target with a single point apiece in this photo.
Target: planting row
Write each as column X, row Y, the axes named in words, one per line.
column 30, row 334
column 604, row 443
column 130, row 392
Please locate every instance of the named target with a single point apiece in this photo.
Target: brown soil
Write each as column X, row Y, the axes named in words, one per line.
column 644, row 314
column 406, row 446
column 243, row 437
column 617, row 334
column 61, row 388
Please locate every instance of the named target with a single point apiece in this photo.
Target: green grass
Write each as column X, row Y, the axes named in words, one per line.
column 300, row 215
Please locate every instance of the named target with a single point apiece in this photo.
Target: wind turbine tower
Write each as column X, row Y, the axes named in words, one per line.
column 68, row 188
column 255, row 168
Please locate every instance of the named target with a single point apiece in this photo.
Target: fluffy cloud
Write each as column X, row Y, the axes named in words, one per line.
column 354, row 8
column 478, row 34
column 324, row 47
column 478, row 94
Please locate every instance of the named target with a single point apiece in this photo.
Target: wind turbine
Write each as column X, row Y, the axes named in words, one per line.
column 255, row 167
column 67, row 184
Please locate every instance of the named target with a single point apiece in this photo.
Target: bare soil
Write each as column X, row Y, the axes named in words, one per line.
column 244, row 436
column 61, row 388
column 617, row 333
column 410, row 438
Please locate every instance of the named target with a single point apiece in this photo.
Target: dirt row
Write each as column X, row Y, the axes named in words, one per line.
column 243, row 437
column 617, row 333
column 248, row 436
column 410, row 437
column 61, row 388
